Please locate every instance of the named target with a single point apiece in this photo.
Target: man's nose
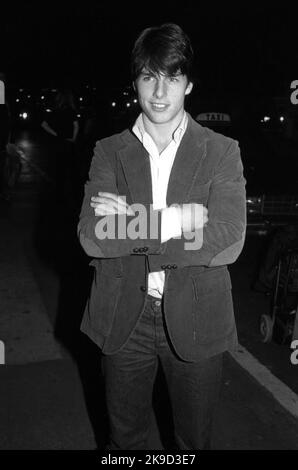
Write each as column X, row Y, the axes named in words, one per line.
column 160, row 89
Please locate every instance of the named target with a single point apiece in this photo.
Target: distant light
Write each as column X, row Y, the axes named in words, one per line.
column 21, row 89
column 266, row 118
column 113, row 104
column 53, row 90
column 125, row 93
column 262, row 232
column 81, row 99
column 17, row 100
column 127, row 105
column 78, row 115
column 28, row 96
column 281, row 119
column 135, row 100
column 48, row 110
column 42, row 97
column 24, row 115
column 94, row 88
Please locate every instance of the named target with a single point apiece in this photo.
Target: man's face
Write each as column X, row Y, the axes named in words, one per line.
column 161, row 97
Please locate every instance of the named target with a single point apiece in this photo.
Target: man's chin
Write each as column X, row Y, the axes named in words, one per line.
column 159, row 118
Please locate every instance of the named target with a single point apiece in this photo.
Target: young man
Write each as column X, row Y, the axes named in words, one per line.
column 155, row 298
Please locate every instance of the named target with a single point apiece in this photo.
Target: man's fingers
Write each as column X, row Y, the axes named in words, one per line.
column 109, row 200
column 104, row 209
column 111, row 208
column 130, row 211
column 110, row 204
column 205, row 215
column 106, row 194
column 114, row 197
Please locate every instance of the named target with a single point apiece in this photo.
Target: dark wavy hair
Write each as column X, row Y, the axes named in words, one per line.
column 162, row 49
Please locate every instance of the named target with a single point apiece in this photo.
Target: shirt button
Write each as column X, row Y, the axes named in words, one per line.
column 163, row 266
column 169, row 266
column 145, row 248
column 143, row 288
column 136, row 250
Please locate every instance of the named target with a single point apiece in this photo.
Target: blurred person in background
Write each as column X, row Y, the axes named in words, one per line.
column 96, row 124
column 5, row 131
column 62, row 123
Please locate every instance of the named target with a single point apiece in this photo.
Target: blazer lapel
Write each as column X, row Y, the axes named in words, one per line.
column 189, row 157
column 187, row 163
column 136, row 167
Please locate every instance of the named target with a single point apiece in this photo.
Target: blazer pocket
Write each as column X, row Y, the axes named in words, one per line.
column 211, row 281
column 103, row 301
column 212, row 308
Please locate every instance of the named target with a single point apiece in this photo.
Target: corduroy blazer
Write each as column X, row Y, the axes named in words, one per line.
column 197, row 297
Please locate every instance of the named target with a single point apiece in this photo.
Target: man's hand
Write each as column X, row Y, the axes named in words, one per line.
column 192, row 216
column 109, row 203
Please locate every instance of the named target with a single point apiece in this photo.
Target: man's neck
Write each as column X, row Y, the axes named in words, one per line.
column 162, row 134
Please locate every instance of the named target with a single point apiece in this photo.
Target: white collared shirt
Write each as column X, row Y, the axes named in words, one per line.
column 161, row 166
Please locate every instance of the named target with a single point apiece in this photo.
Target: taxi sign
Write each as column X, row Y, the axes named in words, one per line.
column 2, row 97
column 214, row 117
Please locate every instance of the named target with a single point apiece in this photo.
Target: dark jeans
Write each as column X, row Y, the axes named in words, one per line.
column 129, row 378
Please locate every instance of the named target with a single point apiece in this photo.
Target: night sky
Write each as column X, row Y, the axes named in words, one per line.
column 245, row 49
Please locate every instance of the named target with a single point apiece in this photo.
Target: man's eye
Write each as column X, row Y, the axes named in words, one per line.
column 173, row 79
column 147, row 78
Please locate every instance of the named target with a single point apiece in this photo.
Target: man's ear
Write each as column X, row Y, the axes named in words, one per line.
column 188, row 88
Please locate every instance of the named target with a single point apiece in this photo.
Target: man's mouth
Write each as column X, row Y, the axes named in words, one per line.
column 159, row 106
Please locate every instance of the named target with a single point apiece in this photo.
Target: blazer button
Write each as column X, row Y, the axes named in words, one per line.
column 169, row 266
column 143, row 288
column 136, row 250
column 163, row 266
column 145, row 249
column 174, row 266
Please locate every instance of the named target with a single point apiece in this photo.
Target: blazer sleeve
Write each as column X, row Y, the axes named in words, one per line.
column 113, row 243
column 221, row 241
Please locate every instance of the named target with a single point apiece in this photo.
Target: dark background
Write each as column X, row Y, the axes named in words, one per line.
column 245, row 48
column 246, row 57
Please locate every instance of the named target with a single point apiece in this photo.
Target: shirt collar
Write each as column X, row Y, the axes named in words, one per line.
column 139, row 129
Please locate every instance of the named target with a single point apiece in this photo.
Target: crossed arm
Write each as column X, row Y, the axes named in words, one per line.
column 222, row 238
